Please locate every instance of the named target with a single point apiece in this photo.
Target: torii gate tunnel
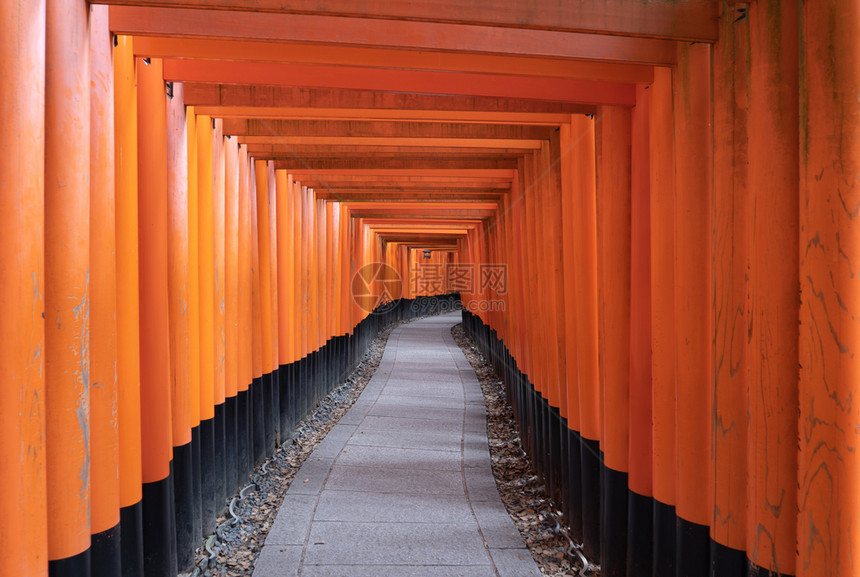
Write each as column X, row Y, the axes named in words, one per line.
column 649, row 210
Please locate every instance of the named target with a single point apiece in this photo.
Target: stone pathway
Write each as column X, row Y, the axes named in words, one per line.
column 402, row 485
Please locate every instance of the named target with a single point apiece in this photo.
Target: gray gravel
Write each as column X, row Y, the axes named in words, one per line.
column 534, row 513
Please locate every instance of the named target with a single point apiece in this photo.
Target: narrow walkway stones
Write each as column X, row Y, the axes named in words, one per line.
column 402, row 485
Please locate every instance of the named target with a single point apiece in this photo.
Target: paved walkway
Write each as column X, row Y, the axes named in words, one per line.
column 402, row 485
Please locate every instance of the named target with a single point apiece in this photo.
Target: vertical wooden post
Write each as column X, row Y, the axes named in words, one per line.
column 128, row 307
column 22, row 290
column 613, row 126
column 662, row 208
column 585, row 259
column 693, row 305
column 159, row 529
column 828, row 542
column 640, row 526
column 231, row 309
column 194, row 322
column 104, row 508
column 206, row 299
column 180, row 345
column 774, row 287
column 67, row 286
column 731, row 307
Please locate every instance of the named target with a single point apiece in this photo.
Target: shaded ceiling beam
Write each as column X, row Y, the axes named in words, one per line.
column 344, row 151
column 367, row 114
column 408, row 81
column 319, row 54
column 458, row 196
column 399, row 174
column 692, row 20
column 504, row 143
column 341, row 128
column 389, row 162
column 432, row 36
column 219, row 94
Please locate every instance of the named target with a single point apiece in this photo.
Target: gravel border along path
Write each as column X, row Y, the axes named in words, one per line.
column 533, row 512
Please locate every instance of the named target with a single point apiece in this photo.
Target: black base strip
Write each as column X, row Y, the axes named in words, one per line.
column 197, row 511
column 692, row 549
column 640, row 534
column 106, row 552
column 244, row 444
column 276, row 409
column 268, row 416
column 284, row 401
column 184, row 506
column 230, row 444
column 131, row 543
column 258, row 429
column 728, row 562
column 220, row 462
column 75, row 566
column 207, row 476
column 613, row 526
column 159, row 529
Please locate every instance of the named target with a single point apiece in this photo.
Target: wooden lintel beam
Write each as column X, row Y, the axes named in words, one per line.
column 407, row 141
column 431, row 35
column 397, row 80
column 391, row 162
column 341, row 128
column 373, row 115
column 367, row 57
column 310, row 99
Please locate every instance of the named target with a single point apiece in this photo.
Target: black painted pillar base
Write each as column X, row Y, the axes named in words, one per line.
column 159, row 529
column 207, row 476
column 184, row 507
column 197, row 527
column 231, row 444
column 131, row 531
column 220, row 462
column 106, row 552
column 75, row 566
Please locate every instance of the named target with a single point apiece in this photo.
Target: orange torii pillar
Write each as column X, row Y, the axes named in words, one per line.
column 828, row 500
column 551, row 217
column 265, row 400
column 231, row 311
column 284, row 217
column 206, row 299
column 128, row 308
column 180, row 344
column 244, row 438
column 640, row 527
column 67, row 286
column 159, row 529
column 104, row 440
column 693, row 306
column 217, row 312
column 277, row 413
column 772, row 449
column 584, row 297
column 570, row 381
column 732, row 274
column 662, row 213
column 614, row 154
column 22, row 291
column 194, row 320
column 258, row 436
